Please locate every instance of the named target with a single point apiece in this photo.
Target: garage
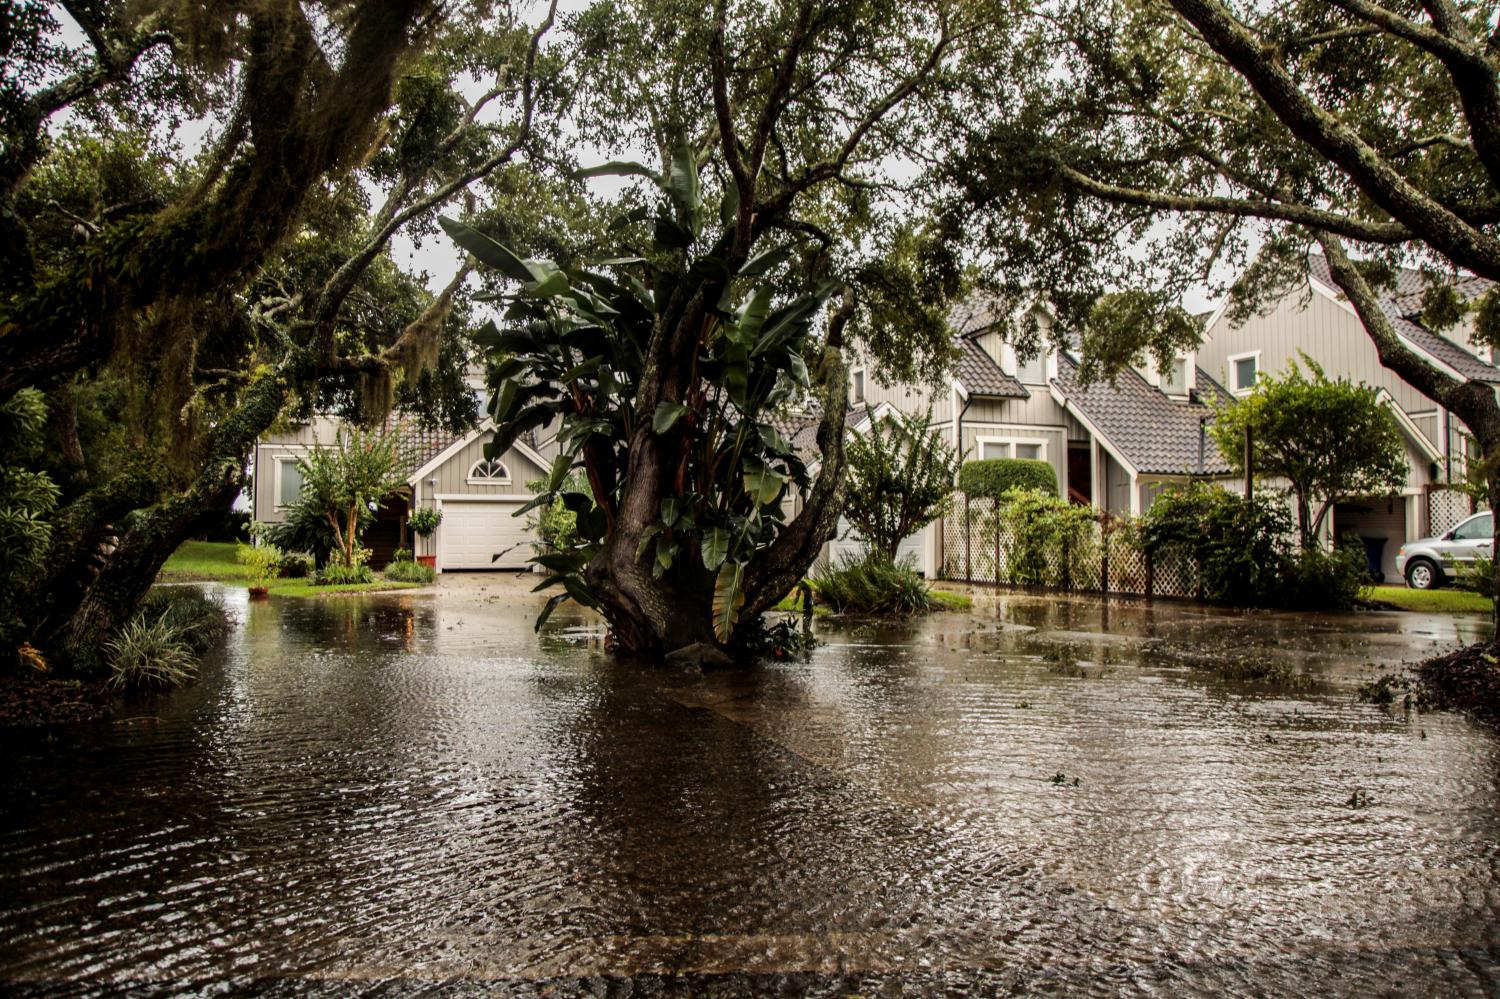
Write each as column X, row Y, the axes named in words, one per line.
column 473, row 531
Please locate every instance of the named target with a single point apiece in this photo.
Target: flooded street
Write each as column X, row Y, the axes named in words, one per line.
column 401, row 793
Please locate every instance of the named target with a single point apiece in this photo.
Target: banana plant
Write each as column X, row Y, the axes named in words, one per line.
column 660, row 370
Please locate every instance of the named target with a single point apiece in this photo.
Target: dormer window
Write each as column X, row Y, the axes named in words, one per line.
column 857, row 386
column 489, row 472
column 1031, row 371
column 1174, row 379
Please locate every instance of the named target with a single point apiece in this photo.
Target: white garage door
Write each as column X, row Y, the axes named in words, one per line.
column 473, row 532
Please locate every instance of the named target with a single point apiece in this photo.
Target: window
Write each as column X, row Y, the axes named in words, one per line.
column 1243, row 370
column 481, row 399
column 288, row 482
column 1031, row 372
column 489, row 472
column 857, row 385
column 1481, row 528
column 1174, row 381
column 997, row 447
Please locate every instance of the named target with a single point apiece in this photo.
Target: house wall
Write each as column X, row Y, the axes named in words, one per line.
column 452, row 475
column 290, row 443
column 1326, row 330
column 1037, row 418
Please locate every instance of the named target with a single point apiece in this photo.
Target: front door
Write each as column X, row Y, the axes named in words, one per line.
column 1080, row 473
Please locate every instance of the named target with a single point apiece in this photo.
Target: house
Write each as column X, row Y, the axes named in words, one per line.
column 478, row 496
column 1115, row 447
column 1315, row 319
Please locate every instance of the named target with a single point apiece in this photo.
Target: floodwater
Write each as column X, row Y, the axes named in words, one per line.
column 403, row 794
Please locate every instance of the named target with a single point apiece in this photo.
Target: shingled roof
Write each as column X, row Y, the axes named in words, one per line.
column 980, row 375
column 1403, row 308
column 417, row 444
column 1158, row 435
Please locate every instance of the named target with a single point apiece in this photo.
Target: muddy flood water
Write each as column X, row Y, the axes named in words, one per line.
column 401, row 794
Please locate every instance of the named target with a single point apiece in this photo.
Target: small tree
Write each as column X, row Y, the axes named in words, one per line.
column 1330, row 439
column 900, row 479
column 346, row 481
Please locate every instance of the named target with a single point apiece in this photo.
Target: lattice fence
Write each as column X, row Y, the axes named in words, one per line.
column 981, row 544
column 1445, row 508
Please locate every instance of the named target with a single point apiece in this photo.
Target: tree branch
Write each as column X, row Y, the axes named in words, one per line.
column 1431, row 221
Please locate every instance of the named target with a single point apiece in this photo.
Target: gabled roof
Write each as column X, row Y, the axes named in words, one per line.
column 978, row 374
column 1403, row 308
column 1154, row 433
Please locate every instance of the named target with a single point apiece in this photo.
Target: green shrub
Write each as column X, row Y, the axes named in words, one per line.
column 339, row 574
column 1050, row 541
column 1479, row 576
column 410, row 572
column 1321, row 580
column 263, row 560
column 874, row 584
column 402, row 555
column 994, row 477
column 149, row 655
column 198, row 618
column 554, row 524
column 295, row 565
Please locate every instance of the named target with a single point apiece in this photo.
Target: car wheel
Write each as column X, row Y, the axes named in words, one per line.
column 1423, row 575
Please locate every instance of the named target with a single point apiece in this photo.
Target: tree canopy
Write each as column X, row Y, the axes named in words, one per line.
column 1329, row 438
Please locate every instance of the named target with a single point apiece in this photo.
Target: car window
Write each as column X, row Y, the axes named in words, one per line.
column 1480, row 528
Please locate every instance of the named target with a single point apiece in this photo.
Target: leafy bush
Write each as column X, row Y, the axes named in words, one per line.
column 1478, row 576
column 1321, row 580
column 149, row 654
column 874, row 584
column 402, row 555
column 295, row 565
column 263, row 560
column 1245, row 552
column 198, row 618
column 303, row 530
column 27, row 501
column 410, row 572
column 425, row 520
column 1050, row 540
column 900, row 479
column 994, row 477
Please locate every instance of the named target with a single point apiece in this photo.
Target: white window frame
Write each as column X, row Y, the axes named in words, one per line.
column 1010, row 446
column 480, row 480
column 282, row 460
column 1233, row 361
column 864, row 387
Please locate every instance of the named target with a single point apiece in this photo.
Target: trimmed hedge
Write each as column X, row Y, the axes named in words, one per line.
column 996, row 476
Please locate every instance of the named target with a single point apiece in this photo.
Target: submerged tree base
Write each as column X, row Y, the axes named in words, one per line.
column 39, row 701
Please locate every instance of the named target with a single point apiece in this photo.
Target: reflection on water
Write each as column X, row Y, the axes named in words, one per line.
column 386, row 793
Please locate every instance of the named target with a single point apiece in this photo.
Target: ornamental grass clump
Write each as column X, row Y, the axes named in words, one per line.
column 198, row 618
column 148, row 655
column 407, row 570
column 874, row 584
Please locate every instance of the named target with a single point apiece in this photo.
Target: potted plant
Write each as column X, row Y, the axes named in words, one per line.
column 264, row 563
column 422, row 523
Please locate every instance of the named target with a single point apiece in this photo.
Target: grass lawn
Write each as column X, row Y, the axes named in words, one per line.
column 214, row 561
column 1444, row 601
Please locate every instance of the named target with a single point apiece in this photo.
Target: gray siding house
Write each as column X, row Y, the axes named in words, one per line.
column 1314, row 319
column 477, row 496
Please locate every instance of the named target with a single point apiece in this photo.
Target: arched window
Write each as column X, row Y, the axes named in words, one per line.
column 489, row 472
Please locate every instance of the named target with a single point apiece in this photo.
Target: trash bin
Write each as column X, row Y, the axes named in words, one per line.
column 1374, row 550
